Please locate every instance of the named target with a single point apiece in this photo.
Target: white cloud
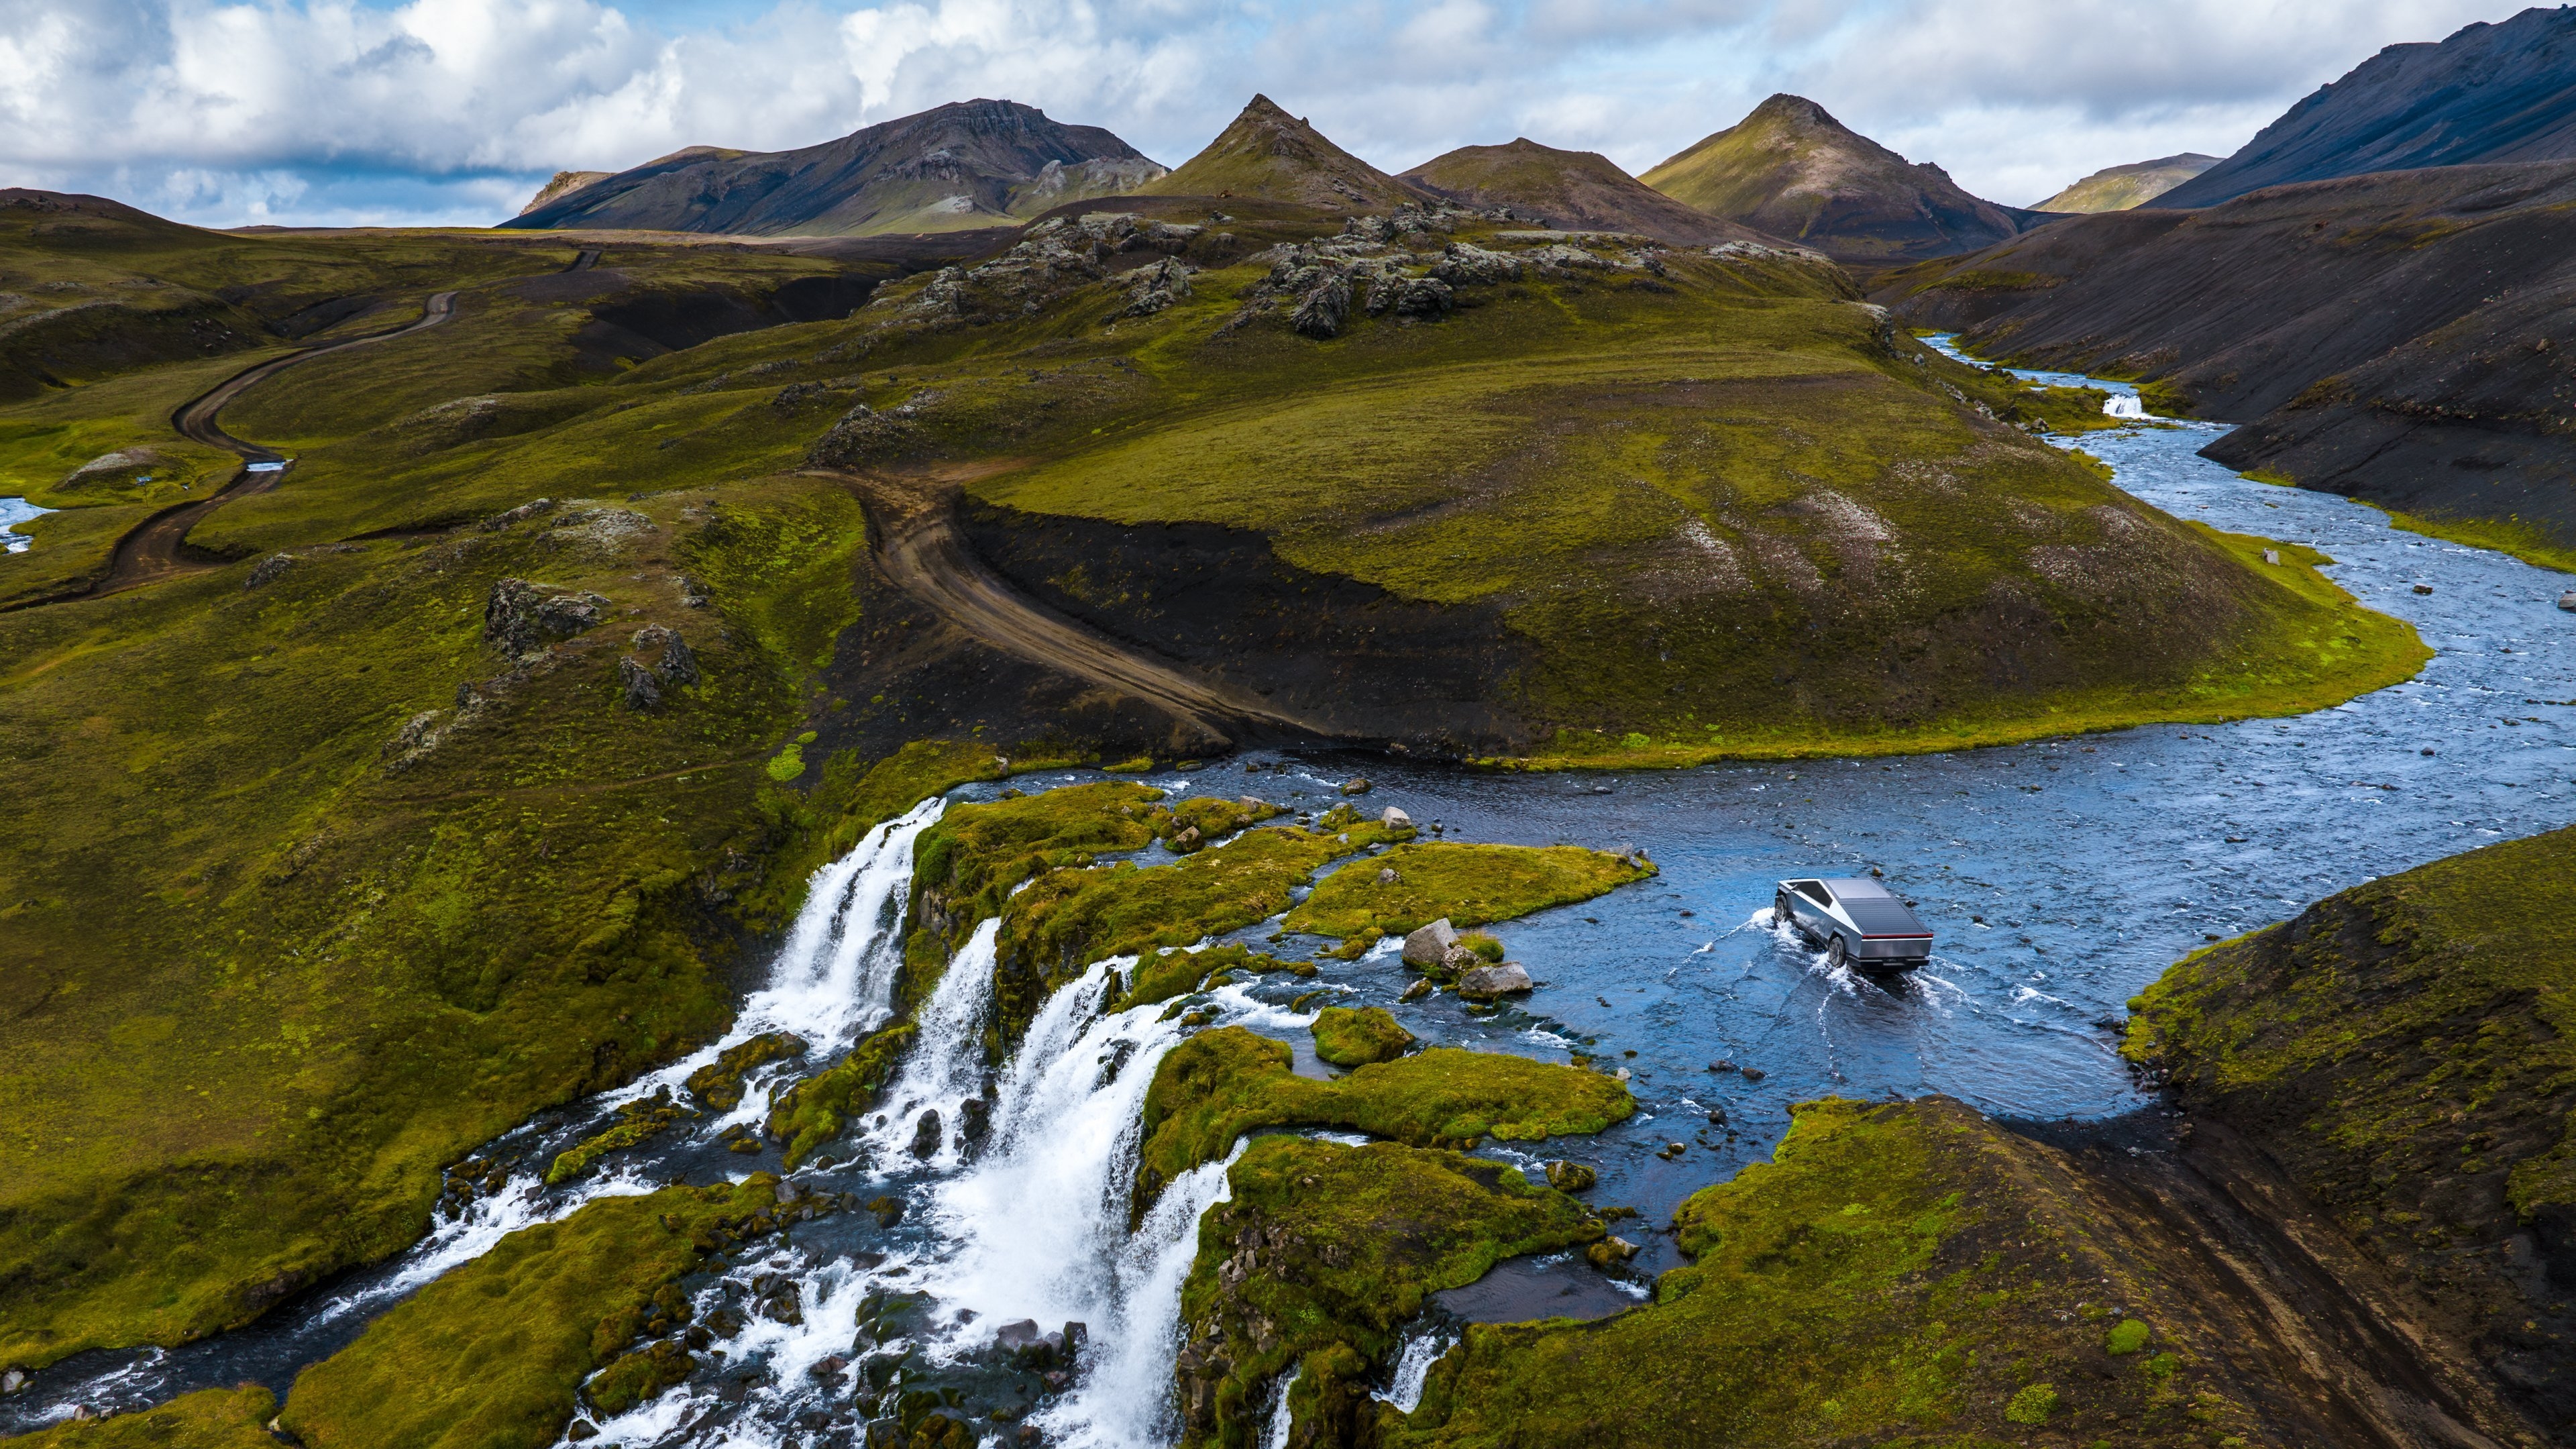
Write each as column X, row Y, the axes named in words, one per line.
column 449, row 109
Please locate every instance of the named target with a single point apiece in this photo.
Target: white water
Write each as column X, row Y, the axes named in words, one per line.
column 1282, row 1418
column 2119, row 406
column 1413, row 1369
column 946, row 1065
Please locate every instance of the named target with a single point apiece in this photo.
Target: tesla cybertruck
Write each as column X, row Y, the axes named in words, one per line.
column 1856, row 921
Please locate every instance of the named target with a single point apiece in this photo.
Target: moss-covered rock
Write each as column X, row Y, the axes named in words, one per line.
column 1897, row 1274
column 1354, row 1038
column 819, row 1108
column 1320, row 1247
column 1163, row 975
column 1468, row 884
column 206, row 1419
column 491, row 1355
column 2407, row 1049
column 637, row 1121
column 718, row 1084
column 1221, row 1084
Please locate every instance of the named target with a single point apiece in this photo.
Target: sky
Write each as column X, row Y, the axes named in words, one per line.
column 451, row 112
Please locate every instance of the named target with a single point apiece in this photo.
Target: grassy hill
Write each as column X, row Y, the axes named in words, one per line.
column 1573, row 190
column 2118, row 188
column 1793, row 171
column 1269, row 154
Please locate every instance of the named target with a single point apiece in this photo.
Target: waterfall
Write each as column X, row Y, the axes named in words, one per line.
column 2119, row 406
column 1413, row 1369
column 1282, row 1418
column 834, row 978
column 946, row 1066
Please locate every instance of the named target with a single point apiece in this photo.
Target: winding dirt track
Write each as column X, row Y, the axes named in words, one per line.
column 154, row 549
column 913, row 533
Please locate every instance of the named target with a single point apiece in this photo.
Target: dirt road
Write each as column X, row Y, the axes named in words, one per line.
column 913, row 533
column 155, row 549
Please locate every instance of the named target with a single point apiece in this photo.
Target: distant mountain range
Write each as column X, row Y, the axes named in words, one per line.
column 1794, row 171
column 2118, row 188
column 967, row 164
column 2503, row 92
column 1270, row 154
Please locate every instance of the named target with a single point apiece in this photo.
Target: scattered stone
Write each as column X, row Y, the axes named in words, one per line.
column 1429, row 945
column 1356, row 785
column 1417, row 990
column 925, row 1134
column 1754, row 1074
column 520, row 616
column 1485, row 983
column 1610, row 1252
column 1622, row 1074
column 580, row 1430
column 888, row 1210
column 1395, row 819
column 675, row 663
column 268, row 570
column 863, row 435
column 1458, row 960
column 1324, row 308
column 2271, row 555
column 2423, row 588
column 1155, row 287
column 1017, row 1335
column 527, row 510
column 693, row 594
column 1571, row 1177
column 636, row 682
column 2567, row 601
column 1386, row 875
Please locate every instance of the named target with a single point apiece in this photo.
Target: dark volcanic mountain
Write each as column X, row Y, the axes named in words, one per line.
column 2118, row 188
column 2399, row 337
column 2489, row 93
column 967, row 164
column 1793, row 171
column 1274, row 156
column 1577, row 190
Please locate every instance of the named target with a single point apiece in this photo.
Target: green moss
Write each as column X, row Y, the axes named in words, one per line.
column 1163, row 975
column 2032, row 1405
column 1321, row 1247
column 718, row 1084
column 2412, row 1030
column 2505, row 535
column 2127, row 1337
column 1355, row 1038
column 1896, row 1274
column 1221, row 1084
column 969, row 863
column 817, row 1109
column 207, row 1419
column 637, row 1121
column 1468, row 884
column 490, row 1355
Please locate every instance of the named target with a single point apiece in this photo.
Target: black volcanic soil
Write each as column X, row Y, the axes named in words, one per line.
column 2386, row 337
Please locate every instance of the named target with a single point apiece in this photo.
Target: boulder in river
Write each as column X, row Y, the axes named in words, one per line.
column 1429, row 945
column 1571, row 1176
column 1485, row 983
column 2567, row 601
column 1357, row 785
column 1395, row 819
column 925, row 1134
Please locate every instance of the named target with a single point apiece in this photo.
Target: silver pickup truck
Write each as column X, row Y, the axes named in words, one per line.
column 1856, row 921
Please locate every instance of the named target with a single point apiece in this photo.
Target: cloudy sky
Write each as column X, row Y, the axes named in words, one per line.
column 451, row 111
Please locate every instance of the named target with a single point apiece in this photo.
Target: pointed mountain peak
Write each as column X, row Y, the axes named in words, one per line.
column 1576, row 190
column 1271, row 155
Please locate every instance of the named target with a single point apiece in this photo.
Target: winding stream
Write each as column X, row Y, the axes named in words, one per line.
column 2061, row 877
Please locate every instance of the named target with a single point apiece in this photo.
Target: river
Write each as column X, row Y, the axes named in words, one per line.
column 2061, row 877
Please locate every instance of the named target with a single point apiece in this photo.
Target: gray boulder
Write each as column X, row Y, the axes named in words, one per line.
column 1458, row 961
column 1430, row 945
column 1395, row 819
column 925, row 1135
column 637, row 684
column 521, row 617
column 268, row 570
column 1485, row 983
column 673, row 663
column 1325, row 307
column 2567, row 601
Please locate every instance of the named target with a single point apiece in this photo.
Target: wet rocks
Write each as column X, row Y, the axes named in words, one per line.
column 1571, row 1176
column 2567, row 601
column 1417, row 990
column 974, row 1121
column 12, row 1381
column 1486, row 983
column 1395, row 819
column 1459, row 960
column 888, row 1210
column 1357, row 785
column 718, row 1084
column 1610, row 1252
column 1429, row 945
column 521, row 617
column 925, row 1134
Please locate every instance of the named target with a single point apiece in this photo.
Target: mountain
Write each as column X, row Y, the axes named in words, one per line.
column 2443, row 396
column 2504, row 92
column 1793, row 171
column 563, row 182
column 1578, row 190
column 963, row 165
column 1270, row 154
column 2117, row 188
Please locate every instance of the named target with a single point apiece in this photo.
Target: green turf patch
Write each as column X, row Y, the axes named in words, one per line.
column 206, row 1419
column 1471, row 885
column 1355, row 1038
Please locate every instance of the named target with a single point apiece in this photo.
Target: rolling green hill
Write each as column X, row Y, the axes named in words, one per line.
column 1575, row 190
column 2118, row 188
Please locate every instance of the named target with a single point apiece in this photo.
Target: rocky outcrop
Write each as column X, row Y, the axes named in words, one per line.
column 521, row 617
column 1487, row 983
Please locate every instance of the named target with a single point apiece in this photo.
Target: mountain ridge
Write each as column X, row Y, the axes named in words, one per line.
column 1265, row 152
column 1574, row 189
column 1790, row 169
column 2120, row 188
column 955, row 167
column 2497, row 92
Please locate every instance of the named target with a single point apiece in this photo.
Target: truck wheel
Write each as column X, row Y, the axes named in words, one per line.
column 1836, row 955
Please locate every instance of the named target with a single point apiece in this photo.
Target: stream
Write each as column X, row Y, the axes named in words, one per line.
column 2060, row 878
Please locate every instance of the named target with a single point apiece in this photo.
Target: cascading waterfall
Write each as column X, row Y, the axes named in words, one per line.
column 946, row 1066
column 1282, row 1418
